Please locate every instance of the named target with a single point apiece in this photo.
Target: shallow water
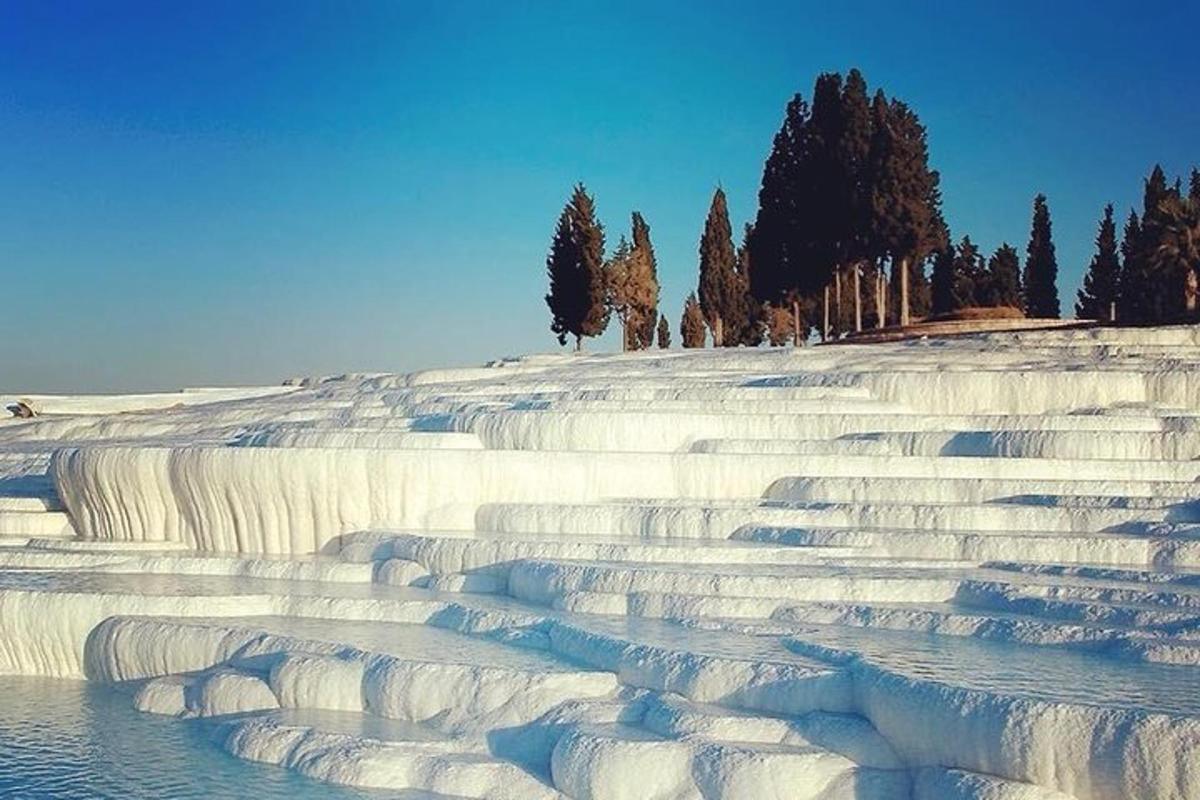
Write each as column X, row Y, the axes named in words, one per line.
column 71, row 740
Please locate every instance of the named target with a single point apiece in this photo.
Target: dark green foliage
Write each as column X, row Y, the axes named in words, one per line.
column 847, row 183
column 719, row 289
column 920, row 293
column 1150, row 290
column 745, row 314
column 942, row 283
column 691, row 326
column 1132, row 285
column 853, row 152
column 906, row 220
column 1041, row 267
column 664, row 333
column 970, row 277
column 1194, row 186
column 1002, row 284
column 1177, row 257
column 828, row 202
column 1101, row 284
column 780, row 237
column 578, row 289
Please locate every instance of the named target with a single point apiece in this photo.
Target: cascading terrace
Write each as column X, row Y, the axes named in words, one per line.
column 936, row 569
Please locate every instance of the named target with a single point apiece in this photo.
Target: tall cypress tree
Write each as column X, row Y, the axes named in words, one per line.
column 1131, row 287
column 691, row 326
column 1102, row 281
column 718, row 278
column 578, row 297
column 745, row 313
column 780, row 241
column 854, row 164
column 1159, row 293
column 1194, row 186
column 647, row 312
column 969, row 276
column 829, row 194
column 906, row 221
column 567, row 293
column 1041, row 266
column 1003, row 282
column 1146, row 294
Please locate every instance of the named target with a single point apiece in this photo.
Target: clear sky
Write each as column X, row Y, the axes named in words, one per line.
column 225, row 192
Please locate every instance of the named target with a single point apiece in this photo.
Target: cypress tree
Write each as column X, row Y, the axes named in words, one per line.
column 1002, row 285
column 1131, row 287
column 1101, row 283
column 906, row 220
column 779, row 241
column 1159, row 294
column 578, row 297
column 664, row 333
column 647, row 311
column 620, row 274
column 744, row 314
column 567, row 293
column 691, row 326
column 1041, row 267
column 969, row 277
column 632, row 281
column 854, row 164
column 1194, row 186
column 942, row 288
column 829, row 195
column 718, row 278
column 1146, row 294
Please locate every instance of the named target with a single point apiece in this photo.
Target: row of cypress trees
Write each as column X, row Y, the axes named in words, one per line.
column 586, row 290
column 848, row 197
column 1151, row 276
column 962, row 279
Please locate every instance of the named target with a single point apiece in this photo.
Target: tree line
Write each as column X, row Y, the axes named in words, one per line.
column 1151, row 276
column 849, row 217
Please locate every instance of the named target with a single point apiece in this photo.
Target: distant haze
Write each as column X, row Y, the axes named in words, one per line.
column 232, row 192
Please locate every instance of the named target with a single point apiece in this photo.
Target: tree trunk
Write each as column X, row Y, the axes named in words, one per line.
column 825, row 316
column 1112, row 311
column 718, row 332
column 837, row 308
column 796, row 323
column 625, row 336
column 904, row 320
column 578, row 343
column 880, row 296
column 858, row 298
column 883, row 283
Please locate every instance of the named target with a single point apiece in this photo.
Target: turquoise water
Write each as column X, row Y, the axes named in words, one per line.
column 71, row 740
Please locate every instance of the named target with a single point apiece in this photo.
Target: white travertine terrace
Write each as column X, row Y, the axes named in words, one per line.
column 962, row 569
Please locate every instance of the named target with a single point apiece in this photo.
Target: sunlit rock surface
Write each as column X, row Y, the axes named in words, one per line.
column 933, row 570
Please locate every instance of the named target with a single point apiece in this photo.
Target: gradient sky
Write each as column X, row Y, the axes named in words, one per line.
column 228, row 192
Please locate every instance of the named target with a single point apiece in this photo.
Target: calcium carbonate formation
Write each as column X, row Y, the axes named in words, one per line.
column 933, row 570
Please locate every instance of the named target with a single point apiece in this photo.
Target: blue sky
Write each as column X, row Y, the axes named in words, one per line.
column 225, row 192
